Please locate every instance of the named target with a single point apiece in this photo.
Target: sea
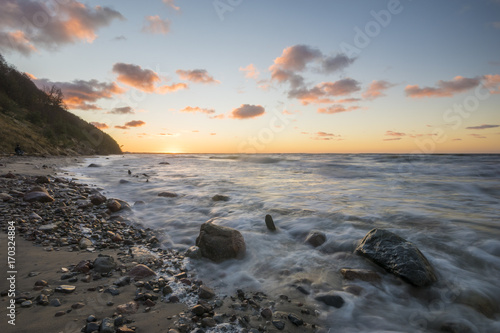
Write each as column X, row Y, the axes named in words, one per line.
column 447, row 205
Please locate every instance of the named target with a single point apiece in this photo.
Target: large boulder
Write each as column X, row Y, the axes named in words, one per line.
column 38, row 194
column 397, row 256
column 219, row 243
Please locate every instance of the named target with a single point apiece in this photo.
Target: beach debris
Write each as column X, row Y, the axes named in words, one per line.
column 270, row 223
column 219, row 243
column 38, row 194
column 397, row 256
column 316, row 238
column 220, row 197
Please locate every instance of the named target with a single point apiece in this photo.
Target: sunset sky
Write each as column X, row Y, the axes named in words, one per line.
column 241, row 76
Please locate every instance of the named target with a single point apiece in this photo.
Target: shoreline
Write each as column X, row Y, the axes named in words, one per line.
column 52, row 250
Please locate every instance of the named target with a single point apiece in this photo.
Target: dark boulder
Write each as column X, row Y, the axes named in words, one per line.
column 270, row 223
column 38, row 194
column 316, row 238
column 397, row 256
column 219, row 243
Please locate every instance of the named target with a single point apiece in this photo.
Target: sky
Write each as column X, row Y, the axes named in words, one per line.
column 283, row 76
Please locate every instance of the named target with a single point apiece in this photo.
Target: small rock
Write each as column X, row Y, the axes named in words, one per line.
column 42, row 180
column 220, row 197
column 124, row 329
column 279, row 324
column 104, row 264
column 5, row 197
column 26, row 304
column 208, row 322
column 331, row 300
column 359, row 274
column 91, row 319
column 55, row 302
column 84, row 243
column 164, row 163
column 316, row 238
column 174, row 299
column 83, row 266
column 42, row 283
column 198, row 310
column 59, row 313
column 113, row 205
column 123, row 281
column 128, row 308
column 65, row 289
column 295, row 320
column 107, row 326
column 270, row 223
column 112, row 291
column 97, row 199
column 48, row 227
column 140, row 271
column 206, row 292
column 38, row 194
column 91, row 327
column 93, row 165
column 266, row 313
column 167, row 194
column 42, row 300
column 193, row 252
column 78, row 305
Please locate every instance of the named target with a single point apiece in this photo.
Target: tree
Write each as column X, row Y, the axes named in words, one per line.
column 55, row 96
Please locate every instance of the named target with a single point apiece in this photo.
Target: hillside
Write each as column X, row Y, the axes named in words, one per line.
column 39, row 123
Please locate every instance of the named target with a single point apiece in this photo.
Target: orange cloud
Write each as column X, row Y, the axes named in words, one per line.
column 492, row 82
column 325, row 136
column 172, row 88
column 122, row 110
column 444, row 88
column 337, row 109
column 71, row 22
column 197, row 109
column 196, row 76
column 323, row 92
column 155, row 25
column 100, row 126
column 250, row 72
column 133, row 123
column 81, row 94
column 143, row 79
column 247, row 111
column 171, row 4
column 31, row 76
column 376, row 89
column 391, row 133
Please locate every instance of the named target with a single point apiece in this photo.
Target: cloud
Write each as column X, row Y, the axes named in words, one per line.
column 155, row 25
column 197, row 109
column 246, row 111
column 391, row 133
column 376, row 89
column 100, row 126
column 480, row 127
column 196, row 76
column 121, row 37
column 478, row 136
column 213, row 133
column 337, row 109
column 143, row 79
column 492, row 82
column 66, row 22
column 81, row 94
column 133, row 123
column 295, row 59
column 122, row 110
column 325, row 136
column 495, row 25
column 444, row 88
column 171, row 4
column 31, row 76
column 250, row 71
column 219, row 116
column 392, row 139
column 323, row 92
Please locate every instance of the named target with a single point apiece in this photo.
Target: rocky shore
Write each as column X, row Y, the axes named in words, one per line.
column 83, row 265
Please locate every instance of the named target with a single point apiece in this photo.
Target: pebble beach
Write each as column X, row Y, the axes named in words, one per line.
column 81, row 265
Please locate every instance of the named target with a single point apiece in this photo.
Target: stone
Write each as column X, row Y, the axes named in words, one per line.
column 167, row 290
column 316, row 238
column 48, row 227
column 93, row 165
column 113, row 205
column 124, row 181
column 124, row 329
column 359, row 274
column 164, row 163
column 208, row 322
column 206, row 292
column 220, row 197
column 279, row 324
column 140, row 271
column 9, row 175
column 55, row 302
column 193, row 252
column 42, row 300
column 42, row 283
column 167, row 194
column 38, row 194
column 26, row 304
column 198, row 310
column 59, row 313
column 35, row 216
column 142, row 255
column 219, row 243
column 266, row 313
column 91, row 327
column 42, row 180
column 397, row 256
column 85, row 243
column 65, row 289
column 270, row 223
column 5, row 197
column 112, row 291
column 303, row 290
column 107, row 325
column 331, row 300
column 128, row 308
column 83, row 266
column 97, row 199
column 295, row 320
column 104, row 264
column 77, row 306
column 123, row 281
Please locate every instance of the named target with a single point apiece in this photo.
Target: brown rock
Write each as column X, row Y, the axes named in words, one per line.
column 97, row 199
column 206, row 292
column 360, row 274
column 113, row 205
column 38, row 194
column 219, row 243
column 140, row 271
column 127, row 308
column 83, row 266
column 316, row 238
column 167, row 194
